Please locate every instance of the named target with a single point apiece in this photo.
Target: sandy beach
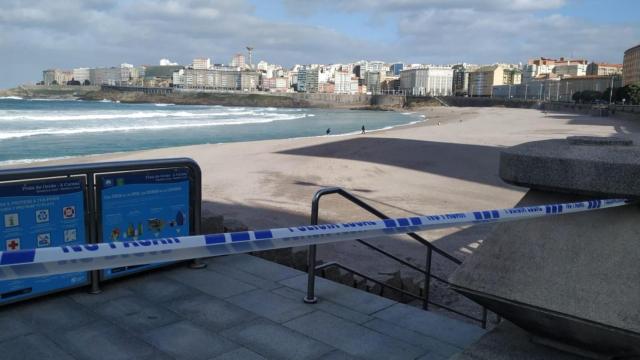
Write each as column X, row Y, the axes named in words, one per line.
column 447, row 163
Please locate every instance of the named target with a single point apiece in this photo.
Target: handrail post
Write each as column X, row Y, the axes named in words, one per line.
column 311, row 260
column 427, row 279
column 484, row 317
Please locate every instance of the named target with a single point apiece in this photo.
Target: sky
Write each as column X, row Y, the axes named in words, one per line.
column 41, row 34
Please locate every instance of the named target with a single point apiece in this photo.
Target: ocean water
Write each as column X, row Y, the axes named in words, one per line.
column 35, row 130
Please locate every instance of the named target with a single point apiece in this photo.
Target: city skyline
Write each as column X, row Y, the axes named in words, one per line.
column 38, row 35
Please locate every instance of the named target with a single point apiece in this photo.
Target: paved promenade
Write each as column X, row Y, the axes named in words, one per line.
column 239, row 307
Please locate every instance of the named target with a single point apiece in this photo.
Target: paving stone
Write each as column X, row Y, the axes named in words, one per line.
column 210, row 282
column 54, row 313
column 257, row 266
column 243, row 276
column 210, row 312
column 412, row 337
column 159, row 288
column 352, row 338
column 184, row 340
column 433, row 356
column 343, row 295
column 34, row 346
column 325, row 305
column 271, row 306
column 136, row 314
column 104, row 341
column 275, row 341
column 337, row 355
column 11, row 326
column 428, row 323
column 239, row 354
column 110, row 291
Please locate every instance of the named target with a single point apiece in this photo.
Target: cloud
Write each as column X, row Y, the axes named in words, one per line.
column 40, row 34
column 395, row 6
column 75, row 33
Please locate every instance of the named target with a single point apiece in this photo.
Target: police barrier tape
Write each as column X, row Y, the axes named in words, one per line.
column 65, row 259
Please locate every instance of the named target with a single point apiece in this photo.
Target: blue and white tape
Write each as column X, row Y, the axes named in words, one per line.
column 65, row 259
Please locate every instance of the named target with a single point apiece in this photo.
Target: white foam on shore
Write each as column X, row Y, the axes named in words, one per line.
column 30, row 161
column 37, row 99
column 11, row 98
column 93, row 130
column 135, row 115
column 163, row 104
column 359, row 131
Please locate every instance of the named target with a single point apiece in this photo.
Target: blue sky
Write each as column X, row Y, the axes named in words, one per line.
column 40, row 34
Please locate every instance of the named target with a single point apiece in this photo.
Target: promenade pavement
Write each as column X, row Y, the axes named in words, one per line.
column 239, row 307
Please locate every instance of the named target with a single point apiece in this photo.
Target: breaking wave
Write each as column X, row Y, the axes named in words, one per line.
column 135, row 115
column 140, row 127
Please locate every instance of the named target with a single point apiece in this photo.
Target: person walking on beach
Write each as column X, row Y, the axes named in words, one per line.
column 362, row 130
column 328, row 131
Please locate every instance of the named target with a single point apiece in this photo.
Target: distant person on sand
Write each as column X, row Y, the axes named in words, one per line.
column 328, row 131
column 362, row 130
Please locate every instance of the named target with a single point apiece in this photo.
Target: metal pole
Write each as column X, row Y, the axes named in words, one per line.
column 311, row 261
column 427, row 279
column 95, row 274
column 611, row 91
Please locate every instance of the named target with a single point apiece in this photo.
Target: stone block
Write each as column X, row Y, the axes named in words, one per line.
column 353, row 339
column 210, row 312
column 184, row 340
column 453, row 332
column 275, row 341
column 210, row 282
column 340, row 294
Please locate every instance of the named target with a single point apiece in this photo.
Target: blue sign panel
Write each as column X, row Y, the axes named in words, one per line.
column 143, row 205
column 39, row 214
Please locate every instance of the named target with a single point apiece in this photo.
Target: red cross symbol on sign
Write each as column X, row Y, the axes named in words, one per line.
column 13, row 244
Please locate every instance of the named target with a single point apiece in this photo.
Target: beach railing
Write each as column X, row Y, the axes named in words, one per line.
column 313, row 268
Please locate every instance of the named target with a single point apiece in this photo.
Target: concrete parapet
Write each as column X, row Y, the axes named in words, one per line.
column 573, row 279
column 578, row 165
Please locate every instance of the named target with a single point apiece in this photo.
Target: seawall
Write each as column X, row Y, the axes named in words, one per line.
column 261, row 99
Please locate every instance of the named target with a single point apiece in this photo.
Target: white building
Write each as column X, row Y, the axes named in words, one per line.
column 430, row 80
column 201, row 63
column 237, row 60
column 532, row 71
column 570, row 70
column 56, row 76
column 105, row 76
column 81, row 74
column 343, row 83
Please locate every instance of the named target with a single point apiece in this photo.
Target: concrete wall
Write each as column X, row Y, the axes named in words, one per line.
column 631, row 112
column 486, row 102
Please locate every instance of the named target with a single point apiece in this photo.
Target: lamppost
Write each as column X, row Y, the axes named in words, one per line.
column 611, row 91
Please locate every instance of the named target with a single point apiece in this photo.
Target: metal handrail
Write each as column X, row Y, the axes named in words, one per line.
column 312, row 268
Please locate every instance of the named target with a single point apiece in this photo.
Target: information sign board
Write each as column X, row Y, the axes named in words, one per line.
column 37, row 214
column 143, row 205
